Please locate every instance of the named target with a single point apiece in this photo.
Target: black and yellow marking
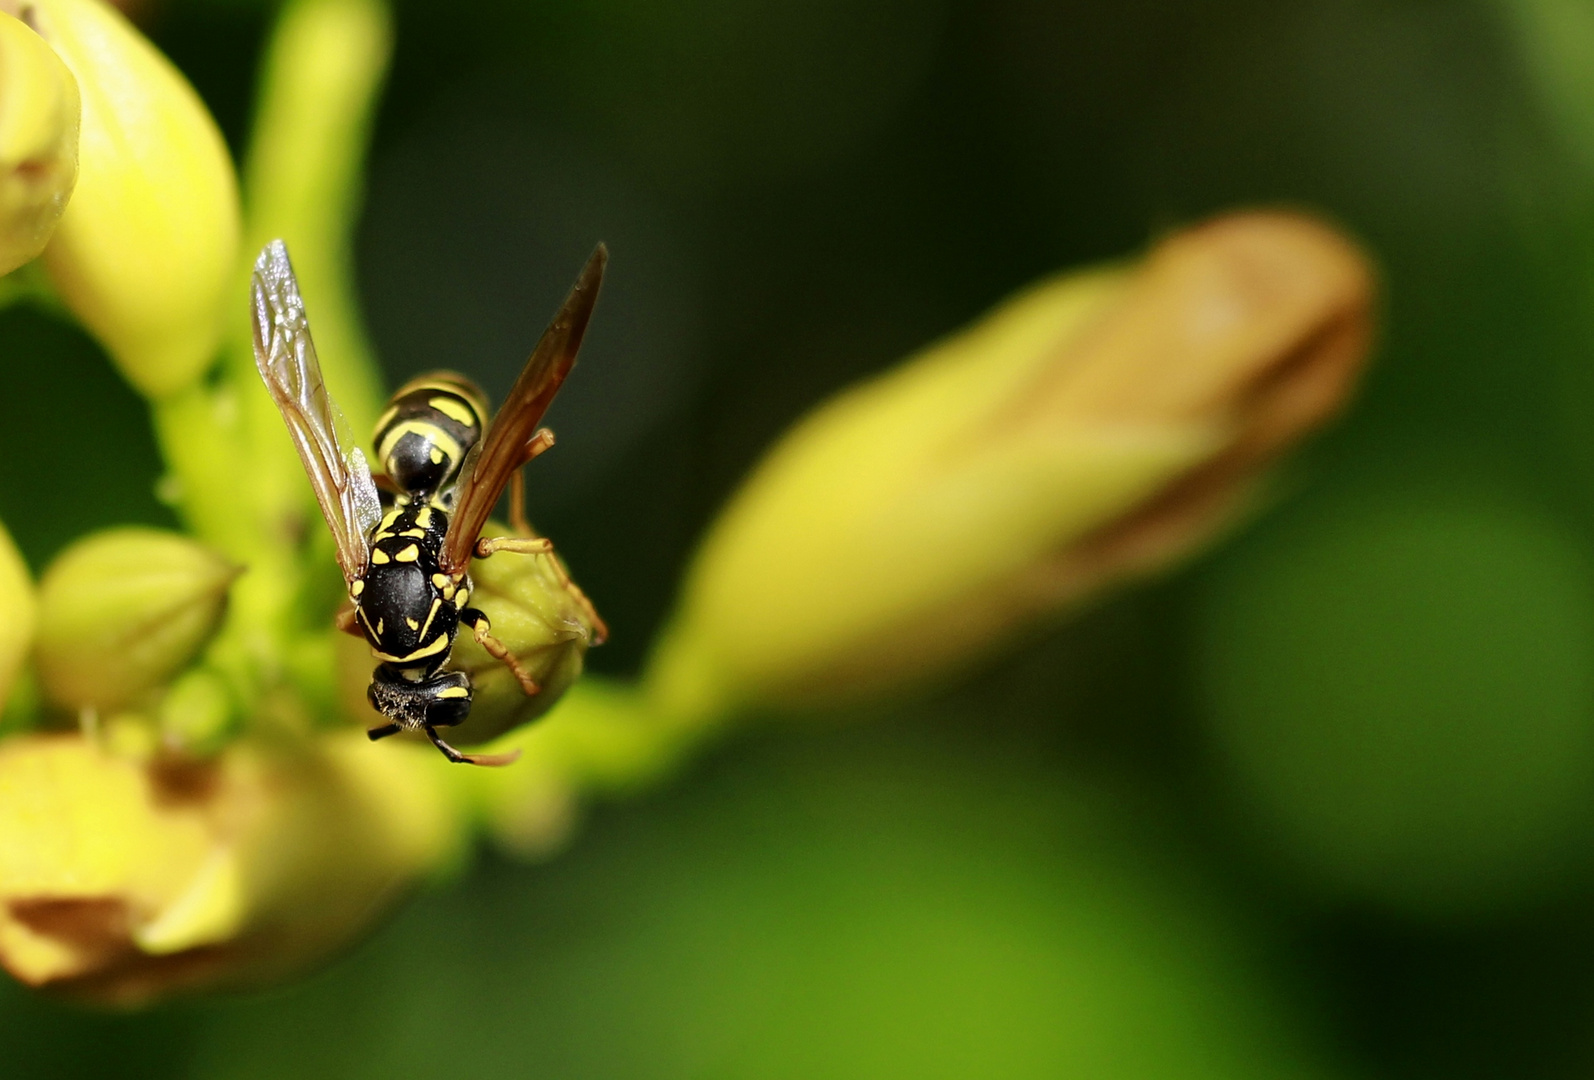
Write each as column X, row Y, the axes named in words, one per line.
column 424, row 435
column 430, row 615
column 438, row 644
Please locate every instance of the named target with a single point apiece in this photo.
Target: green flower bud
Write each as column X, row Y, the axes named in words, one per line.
column 125, row 880
column 18, row 613
column 146, row 250
column 123, row 611
column 39, row 110
column 1097, row 426
column 535, row 612
column 544, row 621
column 197, row 715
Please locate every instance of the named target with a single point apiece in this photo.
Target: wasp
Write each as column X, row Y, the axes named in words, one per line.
column 406, row 558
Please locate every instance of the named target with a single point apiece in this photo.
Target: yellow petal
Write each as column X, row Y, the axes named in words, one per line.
column 145, row 252
column 38, row 142
column 122, row 881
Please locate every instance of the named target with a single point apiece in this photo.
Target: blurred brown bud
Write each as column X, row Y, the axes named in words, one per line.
column 1096, row 427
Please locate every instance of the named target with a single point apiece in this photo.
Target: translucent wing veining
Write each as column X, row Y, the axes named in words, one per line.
column 286, row 357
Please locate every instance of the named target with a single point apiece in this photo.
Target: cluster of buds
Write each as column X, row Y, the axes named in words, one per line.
column 186, row 797
column 118, row 175
column 183, row 799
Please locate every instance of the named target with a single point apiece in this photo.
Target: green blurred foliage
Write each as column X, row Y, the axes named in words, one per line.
column 1357, row 743
column 918, row 904
column 1401, row 676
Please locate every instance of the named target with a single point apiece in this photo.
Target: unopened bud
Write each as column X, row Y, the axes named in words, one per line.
column 1097, row 426
column 146, row 249
column 544, row 621
column 535, row 612
column 123, row 611
column 38, row 142
column 196, row 715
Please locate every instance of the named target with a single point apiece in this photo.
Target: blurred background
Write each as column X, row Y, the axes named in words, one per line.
column 1321, row 804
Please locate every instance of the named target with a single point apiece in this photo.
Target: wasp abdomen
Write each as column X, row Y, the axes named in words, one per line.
column 423, row 437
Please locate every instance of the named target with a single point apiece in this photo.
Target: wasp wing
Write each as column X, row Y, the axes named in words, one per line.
column 502, row 449
column 286, row 357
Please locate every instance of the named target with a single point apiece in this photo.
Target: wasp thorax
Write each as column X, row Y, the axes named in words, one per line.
column 426, row 432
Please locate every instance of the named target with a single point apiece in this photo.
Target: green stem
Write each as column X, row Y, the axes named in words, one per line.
column 319, row 86
column 238, row 482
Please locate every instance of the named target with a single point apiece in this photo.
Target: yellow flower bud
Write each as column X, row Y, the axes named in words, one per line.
column 38, row 142
column 18, row 613
column 1096, row 426
column 123, row 611
column 146, row 250
column 535, row 611
column 122, row 881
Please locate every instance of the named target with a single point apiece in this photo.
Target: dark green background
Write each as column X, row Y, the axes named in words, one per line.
column 1320, row 805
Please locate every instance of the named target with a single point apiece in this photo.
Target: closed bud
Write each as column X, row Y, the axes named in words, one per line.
column 123, row 611
column 196, row 715
column 536, row 612
column 38, row 141
column 1095, row 427
column 18, row 614
column 146, row 249
column 125, row 879
column 543, row 619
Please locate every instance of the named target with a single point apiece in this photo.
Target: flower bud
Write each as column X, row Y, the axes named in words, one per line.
column 1097, row 426
column 196, row 714
column 38, row 142
column 146, row 250
column 535, row 612
column 18, row 613
column 123, row 611
column 122, row 881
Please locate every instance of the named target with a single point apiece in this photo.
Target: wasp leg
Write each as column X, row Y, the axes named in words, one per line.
column 515, row 545
column 383, row 732
column 535, row 445
column 479, row 625
column 458, row 758
column 541, row 545
column 346, row 621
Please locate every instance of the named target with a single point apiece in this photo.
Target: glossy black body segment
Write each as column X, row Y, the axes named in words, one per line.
column 428, row 428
